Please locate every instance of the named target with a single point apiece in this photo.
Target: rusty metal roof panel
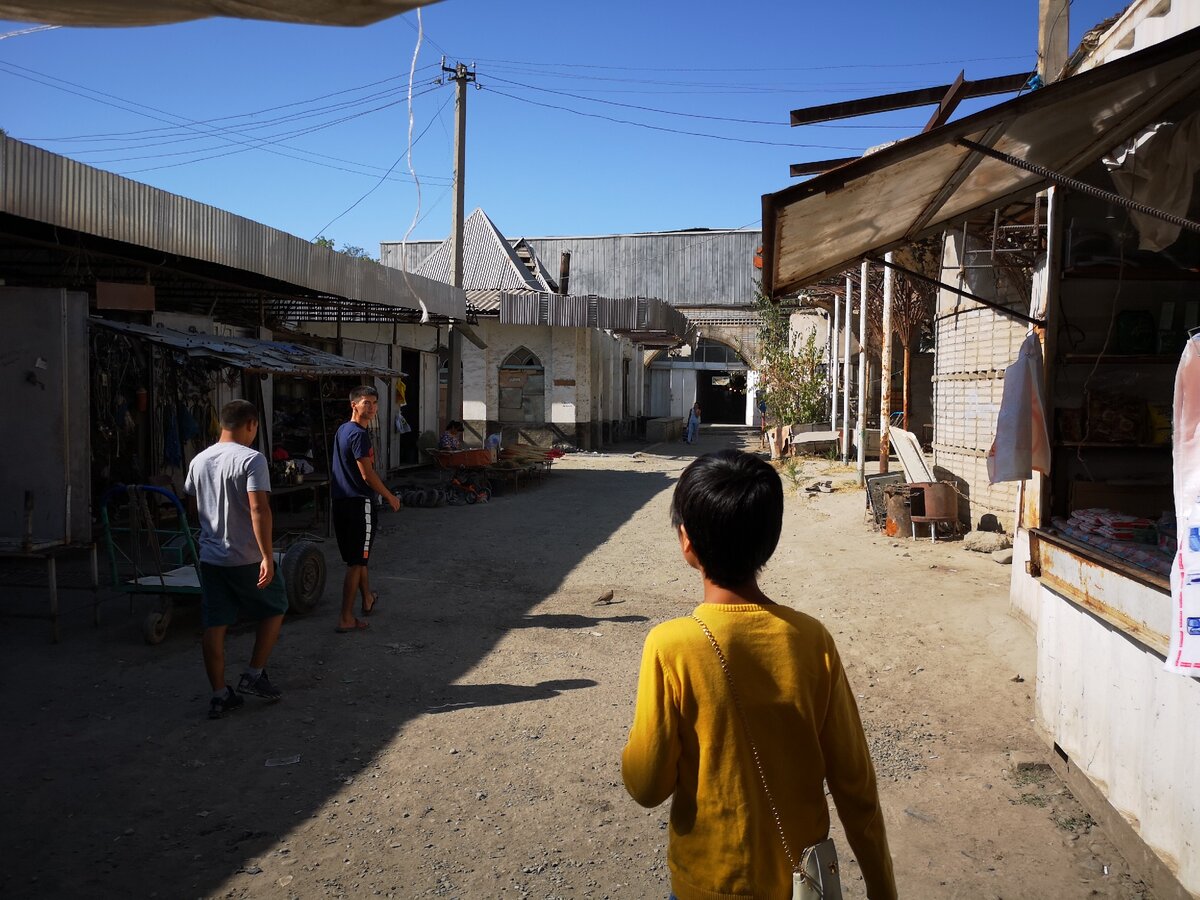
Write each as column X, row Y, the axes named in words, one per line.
column 51, row 189
column 251, row 354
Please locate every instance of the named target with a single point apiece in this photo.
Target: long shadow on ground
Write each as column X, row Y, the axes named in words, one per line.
column 116, row 785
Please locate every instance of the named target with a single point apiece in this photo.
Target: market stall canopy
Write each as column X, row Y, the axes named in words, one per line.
column 252, row 355
column 124, row 13
column 921, row 185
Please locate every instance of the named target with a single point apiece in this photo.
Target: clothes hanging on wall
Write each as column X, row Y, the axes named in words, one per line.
column 1022, row 442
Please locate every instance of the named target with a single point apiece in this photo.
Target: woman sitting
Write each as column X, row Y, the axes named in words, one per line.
column 451, row 438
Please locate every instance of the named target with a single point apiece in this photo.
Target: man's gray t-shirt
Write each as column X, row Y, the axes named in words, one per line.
column 219, row 478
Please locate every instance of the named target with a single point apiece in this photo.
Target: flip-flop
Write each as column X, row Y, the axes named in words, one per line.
column 358, row 625
column 370, row 610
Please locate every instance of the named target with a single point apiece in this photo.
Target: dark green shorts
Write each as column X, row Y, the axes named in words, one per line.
column 227, row 591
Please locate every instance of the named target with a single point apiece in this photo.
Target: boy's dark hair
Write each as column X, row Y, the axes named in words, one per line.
column 236, row 414
column 363, row 390
column 454, row 425
column 731, row 504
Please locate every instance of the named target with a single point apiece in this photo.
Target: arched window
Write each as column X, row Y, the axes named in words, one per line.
column 522, row 388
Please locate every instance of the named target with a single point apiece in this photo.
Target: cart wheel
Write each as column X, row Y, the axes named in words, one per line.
column 303, row 576
column 154, row 628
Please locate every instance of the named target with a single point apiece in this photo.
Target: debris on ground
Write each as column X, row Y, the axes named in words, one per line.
column 986, row 541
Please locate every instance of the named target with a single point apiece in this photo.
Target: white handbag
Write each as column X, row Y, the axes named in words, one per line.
column 817, row 876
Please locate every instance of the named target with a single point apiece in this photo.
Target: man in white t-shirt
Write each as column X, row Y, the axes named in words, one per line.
column 232, row 486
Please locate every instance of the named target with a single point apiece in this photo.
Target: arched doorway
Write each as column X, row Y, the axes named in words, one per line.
column 522, row 388
column 714, row 375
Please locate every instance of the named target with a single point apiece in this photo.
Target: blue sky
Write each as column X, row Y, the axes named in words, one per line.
column 227, row 111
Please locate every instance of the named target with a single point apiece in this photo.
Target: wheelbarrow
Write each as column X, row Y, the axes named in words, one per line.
column 166, row 561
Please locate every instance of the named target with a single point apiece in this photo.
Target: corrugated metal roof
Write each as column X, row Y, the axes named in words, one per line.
column 51, row 189
column 643, row 320
column 489, row 261
column 685, row 268
column 694, row 268
column 251, row 354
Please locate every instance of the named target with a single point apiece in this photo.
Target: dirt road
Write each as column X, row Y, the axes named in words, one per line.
column 468, row 744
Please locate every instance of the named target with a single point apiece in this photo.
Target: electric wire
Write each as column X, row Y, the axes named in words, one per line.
column 941, row 62
column 137, row 135
column 265, row 144
column 663, row 128
column 384, row 177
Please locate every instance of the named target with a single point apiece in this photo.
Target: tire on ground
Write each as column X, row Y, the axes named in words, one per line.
column 303, row 576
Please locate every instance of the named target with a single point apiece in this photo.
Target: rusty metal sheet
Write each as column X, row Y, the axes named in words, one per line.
column 1133, row 600
column 252, row 354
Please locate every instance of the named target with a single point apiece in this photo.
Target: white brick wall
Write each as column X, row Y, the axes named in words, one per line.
column 973, row 349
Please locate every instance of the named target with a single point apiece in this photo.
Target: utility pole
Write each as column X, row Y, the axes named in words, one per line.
column 1053, row 38
column 862, row 374
column 461, row 75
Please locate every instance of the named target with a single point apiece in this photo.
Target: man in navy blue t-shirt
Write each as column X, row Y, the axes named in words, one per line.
column 354, row 485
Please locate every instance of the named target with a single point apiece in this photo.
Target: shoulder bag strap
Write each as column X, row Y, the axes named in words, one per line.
column 737, row 705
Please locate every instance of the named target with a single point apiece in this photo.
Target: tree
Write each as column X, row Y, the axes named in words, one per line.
column 351, row 250
column 790, row 369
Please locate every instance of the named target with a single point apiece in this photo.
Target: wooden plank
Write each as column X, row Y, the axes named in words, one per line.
column 848, row 109
column 819, row 166
column 949, row 103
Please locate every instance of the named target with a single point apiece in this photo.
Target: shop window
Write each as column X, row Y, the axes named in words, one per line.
column 522, row 388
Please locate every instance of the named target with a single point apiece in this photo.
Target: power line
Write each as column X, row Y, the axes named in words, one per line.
column 385, row 175
column 244, row 130
column 139, row 133
column 663, row 128
column 570, row 65
column 667, row 112
column 251, row 144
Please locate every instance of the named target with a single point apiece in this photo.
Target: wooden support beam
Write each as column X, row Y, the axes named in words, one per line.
column 819, row 166
column 949, row 103
column 985, row 87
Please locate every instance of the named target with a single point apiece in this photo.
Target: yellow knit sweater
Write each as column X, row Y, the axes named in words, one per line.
column 688, row 741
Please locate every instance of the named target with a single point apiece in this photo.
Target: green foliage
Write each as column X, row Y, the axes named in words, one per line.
column 354, row 252
column 791, row 370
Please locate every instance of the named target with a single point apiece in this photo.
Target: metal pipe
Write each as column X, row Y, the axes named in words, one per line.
column 1082, row 186
column 984, row 301
column 846, row 369
column 885, row 367
column 862, row 374
column 833, row 368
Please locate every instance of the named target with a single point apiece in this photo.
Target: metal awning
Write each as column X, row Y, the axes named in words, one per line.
column 252, row 355
column 921, row 185
column 43, row 194
column 123, row 13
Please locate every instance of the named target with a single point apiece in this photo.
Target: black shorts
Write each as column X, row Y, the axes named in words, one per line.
column 354, row 524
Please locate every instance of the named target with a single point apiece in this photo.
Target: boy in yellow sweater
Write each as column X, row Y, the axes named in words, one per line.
column 687, row 739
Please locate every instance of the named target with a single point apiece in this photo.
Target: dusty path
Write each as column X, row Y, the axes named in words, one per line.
column 468, row 744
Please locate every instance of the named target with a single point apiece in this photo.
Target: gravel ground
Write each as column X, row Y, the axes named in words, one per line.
column 468, row 744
